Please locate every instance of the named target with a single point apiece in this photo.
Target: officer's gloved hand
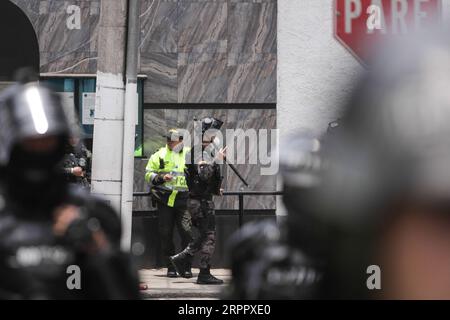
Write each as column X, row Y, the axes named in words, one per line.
column 83, row 233
column 158, row 179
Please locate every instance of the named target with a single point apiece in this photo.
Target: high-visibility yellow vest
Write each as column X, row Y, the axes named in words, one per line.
column 166, row 161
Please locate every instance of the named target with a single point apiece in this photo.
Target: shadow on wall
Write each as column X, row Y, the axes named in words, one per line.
column 18, row 41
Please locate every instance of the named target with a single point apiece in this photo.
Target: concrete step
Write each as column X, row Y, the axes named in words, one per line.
column 161, row 287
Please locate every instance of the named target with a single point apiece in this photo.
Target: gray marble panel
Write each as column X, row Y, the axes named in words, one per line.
column 209, row 54
column 74, row 62
column 253, row 1
column 161, row 83
column 202, row 26
column 250, row 119
column 204, row 81
column 226, row 50
column 94, row 20
column 252, row 78
column 252, row 27
column 200, row 0
column 155, row 125
column 159, row 30
column 63, row 49
column 54, row 35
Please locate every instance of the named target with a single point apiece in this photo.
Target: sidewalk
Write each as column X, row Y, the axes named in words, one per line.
column 161, row 287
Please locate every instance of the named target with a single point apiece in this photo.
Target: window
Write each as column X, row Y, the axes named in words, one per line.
column 79, row 98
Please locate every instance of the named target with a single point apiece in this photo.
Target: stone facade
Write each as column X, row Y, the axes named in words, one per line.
column 194, row 53
column 209, row 51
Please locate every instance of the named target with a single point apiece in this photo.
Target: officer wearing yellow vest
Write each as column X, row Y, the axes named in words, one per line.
column 165, row 174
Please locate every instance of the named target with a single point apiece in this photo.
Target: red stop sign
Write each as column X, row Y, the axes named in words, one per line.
column 360, row 25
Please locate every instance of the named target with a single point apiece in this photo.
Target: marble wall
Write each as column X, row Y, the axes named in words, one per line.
column 192, row 51
column 64, row 48
column 209, row 51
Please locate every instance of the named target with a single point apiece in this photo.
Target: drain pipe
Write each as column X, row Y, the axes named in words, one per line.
column 129, row 124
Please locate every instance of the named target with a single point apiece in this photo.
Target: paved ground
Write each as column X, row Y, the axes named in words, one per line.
column 161, row 287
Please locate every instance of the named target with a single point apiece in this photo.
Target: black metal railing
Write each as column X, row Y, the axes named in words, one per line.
column 239, row 194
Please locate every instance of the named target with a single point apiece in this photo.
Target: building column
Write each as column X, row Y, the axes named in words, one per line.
column 109, row 106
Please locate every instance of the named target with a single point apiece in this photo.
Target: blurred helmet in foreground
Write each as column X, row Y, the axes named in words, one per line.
column 29, row 111
column 268, row 259
column 388, row 162
column 264, row 267
column 301, row 163
column 33, row 132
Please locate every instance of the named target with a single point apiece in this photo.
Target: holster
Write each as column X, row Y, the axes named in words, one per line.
column 154, row 198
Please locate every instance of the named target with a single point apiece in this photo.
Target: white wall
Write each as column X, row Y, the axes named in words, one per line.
column 315, row 72
column 313, row 68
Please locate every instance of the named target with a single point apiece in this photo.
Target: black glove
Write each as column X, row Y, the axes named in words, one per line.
column 159, row 179
column 80, row 232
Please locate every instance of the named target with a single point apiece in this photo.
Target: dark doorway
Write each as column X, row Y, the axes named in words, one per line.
column 18, row 42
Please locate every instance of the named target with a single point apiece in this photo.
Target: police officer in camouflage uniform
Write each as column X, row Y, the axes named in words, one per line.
column 203, row 177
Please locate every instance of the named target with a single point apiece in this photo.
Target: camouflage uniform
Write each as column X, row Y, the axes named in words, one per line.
column 204, row 179
column 203, row 218
column 203, row 182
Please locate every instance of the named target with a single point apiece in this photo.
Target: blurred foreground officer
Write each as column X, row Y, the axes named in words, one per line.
column 55, row 242
column 165, row 173
column 384, row 201
column 268, row 260
column 204, row 180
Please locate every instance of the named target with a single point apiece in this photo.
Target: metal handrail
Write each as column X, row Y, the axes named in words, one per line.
column 240, row 195
column 141, row 194
column 253, row 193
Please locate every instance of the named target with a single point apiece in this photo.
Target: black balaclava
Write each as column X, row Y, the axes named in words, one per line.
column 34, row 179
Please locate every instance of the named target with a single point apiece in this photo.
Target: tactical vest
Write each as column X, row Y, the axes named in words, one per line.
column 173, row 163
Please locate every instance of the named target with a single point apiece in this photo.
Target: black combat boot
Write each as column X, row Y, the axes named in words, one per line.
column 182, row 263
column 205, row 277
column 188, row 272
column 171, row 272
